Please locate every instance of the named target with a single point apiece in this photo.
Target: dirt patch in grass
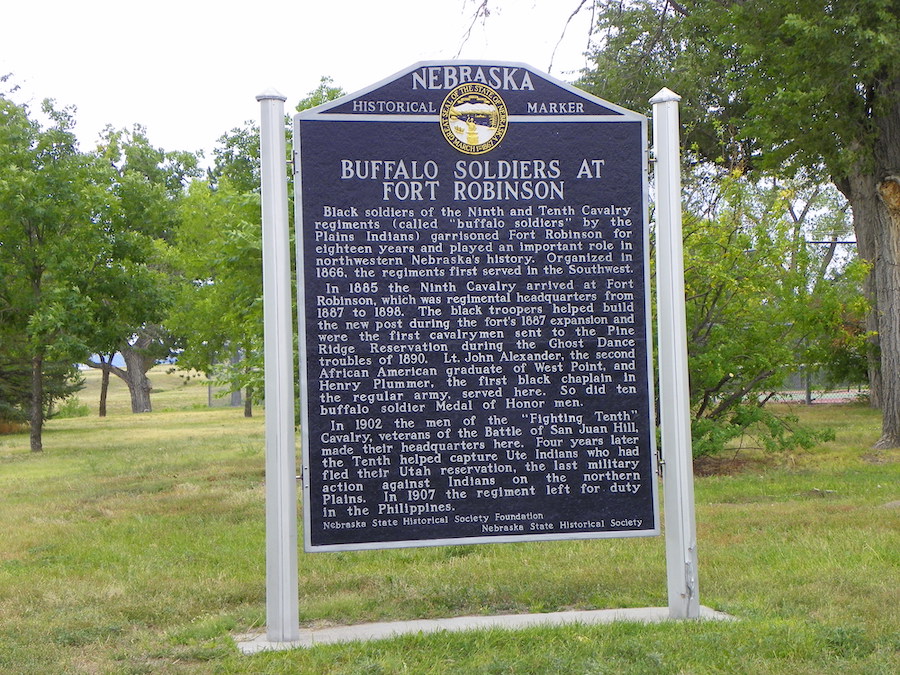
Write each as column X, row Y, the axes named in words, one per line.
column 730, row 465
column 881, row 456
column 817, row 492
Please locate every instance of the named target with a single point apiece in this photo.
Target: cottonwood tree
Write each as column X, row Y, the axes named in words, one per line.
column 780, row 86
column 147, row 183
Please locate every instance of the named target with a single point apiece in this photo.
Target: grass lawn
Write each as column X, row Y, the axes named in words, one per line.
column 136, row 544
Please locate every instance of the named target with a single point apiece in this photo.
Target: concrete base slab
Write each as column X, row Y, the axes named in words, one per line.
column 252, row 644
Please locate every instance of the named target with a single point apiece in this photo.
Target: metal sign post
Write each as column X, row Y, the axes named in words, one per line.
column 282, row 611
column 675, row 419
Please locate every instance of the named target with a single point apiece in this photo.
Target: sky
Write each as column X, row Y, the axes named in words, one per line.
column 190, row 70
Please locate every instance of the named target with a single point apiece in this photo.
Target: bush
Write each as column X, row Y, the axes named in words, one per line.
column 71, row 407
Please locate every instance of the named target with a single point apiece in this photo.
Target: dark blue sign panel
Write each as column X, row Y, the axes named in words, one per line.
column 475, row 355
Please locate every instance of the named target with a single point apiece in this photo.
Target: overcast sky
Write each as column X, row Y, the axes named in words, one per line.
column 190, row 70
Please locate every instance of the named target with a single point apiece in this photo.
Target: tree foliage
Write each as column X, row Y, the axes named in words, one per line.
column 761, row 302
column 89, row 257
column 146, row 186
column 80, row 240
column 325, row 92
column 781, row 86
column 778, row 84
column 218, row 307
column 219, row 255
column 53, row 210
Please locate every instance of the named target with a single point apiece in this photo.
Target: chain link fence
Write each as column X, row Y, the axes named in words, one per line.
column 809, row 388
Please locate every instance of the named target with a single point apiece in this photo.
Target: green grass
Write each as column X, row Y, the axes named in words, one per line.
column 135, row 544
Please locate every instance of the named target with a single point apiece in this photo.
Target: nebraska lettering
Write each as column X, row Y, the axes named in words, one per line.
column 448, row 77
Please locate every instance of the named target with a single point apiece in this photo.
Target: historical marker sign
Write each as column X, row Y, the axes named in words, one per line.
column 474, row 324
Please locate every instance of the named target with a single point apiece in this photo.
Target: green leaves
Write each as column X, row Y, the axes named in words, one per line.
column 219, row 255
column 50, row 206
column 81, row 236
column 219, row 302
column 760, row 303
column 791, row 84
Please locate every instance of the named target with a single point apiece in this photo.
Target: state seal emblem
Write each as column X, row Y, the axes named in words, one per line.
column 473, row 118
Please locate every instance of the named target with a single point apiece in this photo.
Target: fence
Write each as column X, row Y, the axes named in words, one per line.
column 809, row 388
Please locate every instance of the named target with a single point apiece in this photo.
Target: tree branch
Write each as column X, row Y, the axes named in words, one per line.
column 740, row 393
column 482, row 11
column 677, row 7
column 565, row 28
column 115, row 370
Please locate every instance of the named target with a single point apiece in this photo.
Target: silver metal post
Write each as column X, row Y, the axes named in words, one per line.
column 282, row 610
column 675, row 418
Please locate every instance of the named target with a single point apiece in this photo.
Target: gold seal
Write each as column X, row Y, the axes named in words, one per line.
column 473, row 118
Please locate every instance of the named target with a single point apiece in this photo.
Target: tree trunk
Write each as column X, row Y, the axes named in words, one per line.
column 887, row 264
column 861, row 191
column 877, row 228
column 248, row 402
column 135, row 376
column 874, row 194
column 104, row 383
column 37, row 403
column 887, row 271
column 138, row 359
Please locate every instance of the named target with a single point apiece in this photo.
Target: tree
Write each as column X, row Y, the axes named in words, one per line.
column 148, row 184
column 237, row 152
column 236, row 158
column 52, row 205
column 778, row 86
column 325, row 92
column 219, row 259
